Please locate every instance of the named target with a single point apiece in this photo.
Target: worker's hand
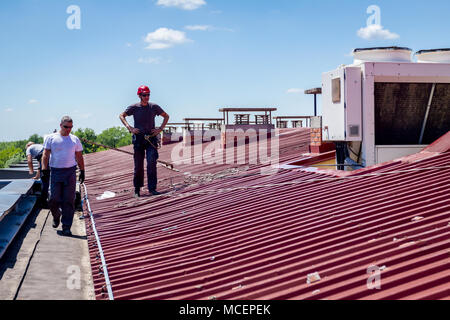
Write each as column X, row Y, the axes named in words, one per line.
column 37, row 176
column 134, row 130
column 155, row 132
column 30, row 171
column 81, row 178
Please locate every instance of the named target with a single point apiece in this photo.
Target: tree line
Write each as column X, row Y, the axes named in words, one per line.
column 14, row 151
column 114, row 137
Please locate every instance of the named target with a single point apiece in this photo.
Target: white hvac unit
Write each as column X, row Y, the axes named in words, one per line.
column 392, row 105
column 341, row 96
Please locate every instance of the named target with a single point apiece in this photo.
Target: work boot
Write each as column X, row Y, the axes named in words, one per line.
column 66, row 232
column 137, row 192
column 154, row 192
column 56, row 222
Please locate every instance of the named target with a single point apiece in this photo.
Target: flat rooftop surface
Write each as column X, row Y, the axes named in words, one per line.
column 41, row 264
column 10, row 193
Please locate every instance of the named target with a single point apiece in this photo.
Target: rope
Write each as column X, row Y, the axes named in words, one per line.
column 100, row 250
column 165, row 164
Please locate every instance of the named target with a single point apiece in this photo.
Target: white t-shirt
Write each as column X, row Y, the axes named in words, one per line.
column 34, row 150
column 62, row 149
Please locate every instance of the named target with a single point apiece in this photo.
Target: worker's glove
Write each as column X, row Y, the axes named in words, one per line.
column 45, row 174
column 81, row 178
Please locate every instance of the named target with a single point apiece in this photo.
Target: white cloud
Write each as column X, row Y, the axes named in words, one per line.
column 149, row 60
column 294, row 90
column 199, row 28
column 164, row 38
column 9, row 109
column 182, row 4
column 159, row 46
column 376, row 32
column 206, row 28
column 32, row 101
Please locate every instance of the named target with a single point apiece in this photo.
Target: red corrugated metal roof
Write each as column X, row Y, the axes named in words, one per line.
column 112, row 170
column 251, row 236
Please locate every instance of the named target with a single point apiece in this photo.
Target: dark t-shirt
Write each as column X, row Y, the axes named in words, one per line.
column 144, row 117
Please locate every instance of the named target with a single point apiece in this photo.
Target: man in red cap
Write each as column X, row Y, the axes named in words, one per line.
column 144, row 114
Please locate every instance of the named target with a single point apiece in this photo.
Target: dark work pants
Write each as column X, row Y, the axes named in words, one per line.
column 45, row 180
column 62, row 198
column 152, row 155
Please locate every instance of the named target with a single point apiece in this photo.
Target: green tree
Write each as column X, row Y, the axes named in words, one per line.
column 11, row 155
column 36, row 138
column 89, row 135
column 4, row 145
column 21, row 144
column 115, row 137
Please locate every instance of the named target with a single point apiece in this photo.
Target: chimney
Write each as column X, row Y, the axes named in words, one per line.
column 316, row 134
column 317, row 145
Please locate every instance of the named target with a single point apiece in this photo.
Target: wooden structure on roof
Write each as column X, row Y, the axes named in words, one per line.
column 315, row 92
column 240, row 131
column 214, row 123
column 170, row 133
column 297, row 121
column 244, row 118
column 173, row 126
column 204, row 130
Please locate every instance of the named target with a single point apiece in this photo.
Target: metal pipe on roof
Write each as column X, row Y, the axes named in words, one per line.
column 426, row 113
column 315, row 105
column 105, row 269
column 315, row 92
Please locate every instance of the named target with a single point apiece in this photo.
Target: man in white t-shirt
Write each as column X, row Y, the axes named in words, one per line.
column 66, row 152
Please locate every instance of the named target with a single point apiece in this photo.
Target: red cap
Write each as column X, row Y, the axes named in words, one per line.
column 143, row 89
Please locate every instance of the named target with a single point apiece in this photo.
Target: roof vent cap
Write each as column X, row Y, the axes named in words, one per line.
column 433, row 56
column 382, row 54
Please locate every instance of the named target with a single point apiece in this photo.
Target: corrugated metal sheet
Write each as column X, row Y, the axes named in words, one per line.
column 250, row 236
column 113, row 170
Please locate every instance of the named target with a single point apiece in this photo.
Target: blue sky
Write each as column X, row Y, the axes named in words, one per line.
column 218, row 53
